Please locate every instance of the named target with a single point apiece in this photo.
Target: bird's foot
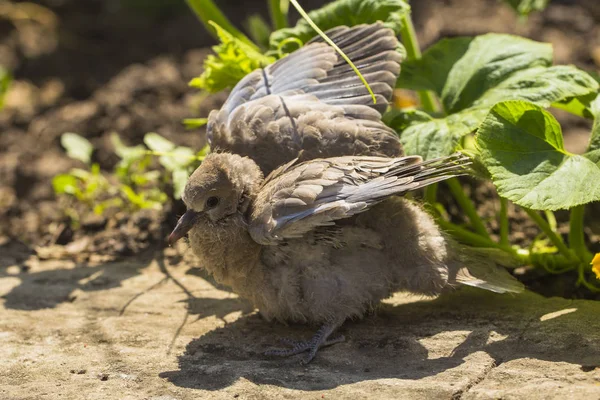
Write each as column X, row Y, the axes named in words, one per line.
column 319, row 340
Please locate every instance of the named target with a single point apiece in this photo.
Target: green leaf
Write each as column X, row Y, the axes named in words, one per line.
column 472, row 74
column 203, row 152
column 171, row 157
column 521, row 145
column 157, row 143
column 5, row 80
column 77, row 147
column 180, row 177
column 126, row 153
column 179, row 158
column 234, row 59
column 525, row 7
column 209, row 13
column 431, row 71
column 345, row 12
column 258, row 29
column 542, row 86
column 195, row 123
column 440, row 136
column 65, row 184
column 593, row 151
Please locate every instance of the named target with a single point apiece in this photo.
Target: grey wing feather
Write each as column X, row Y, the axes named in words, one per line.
column 312, row 102
column 298, row 198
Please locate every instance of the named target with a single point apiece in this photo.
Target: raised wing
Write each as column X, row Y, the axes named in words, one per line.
column 312, row 101
column 295, row 199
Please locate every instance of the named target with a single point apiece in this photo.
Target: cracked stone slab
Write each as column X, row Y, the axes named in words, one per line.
column 134, row 330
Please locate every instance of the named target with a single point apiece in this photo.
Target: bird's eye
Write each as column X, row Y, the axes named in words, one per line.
column 212, row 202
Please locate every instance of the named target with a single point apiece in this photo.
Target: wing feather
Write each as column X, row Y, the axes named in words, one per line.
column 298, row 198
column 312, row 102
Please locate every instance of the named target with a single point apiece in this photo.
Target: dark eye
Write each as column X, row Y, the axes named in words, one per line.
column 212, row 202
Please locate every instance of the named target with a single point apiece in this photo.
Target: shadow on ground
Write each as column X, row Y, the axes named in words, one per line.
column 409, row 341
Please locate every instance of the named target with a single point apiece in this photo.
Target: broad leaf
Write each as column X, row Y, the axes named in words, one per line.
column 77, row 147
column 438, row 136
column 593, row 151
column 521, row 145
column 345, row 12
column 234, row 59
column 470, row 75
column 542, row 86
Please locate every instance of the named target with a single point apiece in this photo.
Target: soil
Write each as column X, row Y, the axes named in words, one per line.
column 98, row 67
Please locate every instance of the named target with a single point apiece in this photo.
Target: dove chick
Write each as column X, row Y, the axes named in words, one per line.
column 322, row 241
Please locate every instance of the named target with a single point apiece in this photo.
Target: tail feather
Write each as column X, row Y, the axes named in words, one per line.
column 473, row 269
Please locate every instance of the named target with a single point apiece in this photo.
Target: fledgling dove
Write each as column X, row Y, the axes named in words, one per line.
column 325, row 240
column 312, row 103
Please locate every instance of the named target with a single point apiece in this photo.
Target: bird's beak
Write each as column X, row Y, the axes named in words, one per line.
column 183, row 226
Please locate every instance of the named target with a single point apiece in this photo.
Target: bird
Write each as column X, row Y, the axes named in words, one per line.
column 325, row 240
column 311, row 104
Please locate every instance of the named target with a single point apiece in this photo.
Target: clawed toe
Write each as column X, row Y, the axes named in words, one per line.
column 319, row 340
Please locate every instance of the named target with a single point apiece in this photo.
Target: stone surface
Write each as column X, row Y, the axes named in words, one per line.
column 155, row 331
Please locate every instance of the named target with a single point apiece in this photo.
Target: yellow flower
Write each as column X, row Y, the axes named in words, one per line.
column 596, row 265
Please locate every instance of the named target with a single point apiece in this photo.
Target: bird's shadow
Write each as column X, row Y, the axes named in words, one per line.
column 51, row 287
column 394, row 343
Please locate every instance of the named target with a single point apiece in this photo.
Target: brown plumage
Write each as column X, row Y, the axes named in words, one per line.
column 322, row 241
column 312, row 103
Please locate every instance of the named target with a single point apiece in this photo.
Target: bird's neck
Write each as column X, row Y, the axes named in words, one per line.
column 228, row 252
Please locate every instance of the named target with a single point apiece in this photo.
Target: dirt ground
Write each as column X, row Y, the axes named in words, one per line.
column 153, row 330
column 105, row 311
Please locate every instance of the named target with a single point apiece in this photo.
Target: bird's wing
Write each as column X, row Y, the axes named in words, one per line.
column 298, row 198
column 312, row 97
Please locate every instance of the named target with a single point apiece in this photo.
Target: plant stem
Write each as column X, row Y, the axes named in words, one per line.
column 576, row 235
column 278, row 9
column 466, row 236
column 207, row 10
column 504, row 222
column 430, row 194
column 554, row 238
column 413, row 51
column 581, row 279
column 551, row 219
column 552, row 263
column 467, row 206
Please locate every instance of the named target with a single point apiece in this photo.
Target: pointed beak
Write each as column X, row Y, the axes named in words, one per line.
column 185, row 223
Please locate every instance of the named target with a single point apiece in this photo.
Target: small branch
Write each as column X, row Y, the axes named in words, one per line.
column 554, row 238
column 504, row 222
column 576, row 234
column 278, row 10
column 413, row 51
column 467, row 206
column 551, row 219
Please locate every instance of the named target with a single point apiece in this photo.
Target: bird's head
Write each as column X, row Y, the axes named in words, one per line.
column 222, row 186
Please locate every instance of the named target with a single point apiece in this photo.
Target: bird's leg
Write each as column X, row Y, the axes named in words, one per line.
column 320, row 339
